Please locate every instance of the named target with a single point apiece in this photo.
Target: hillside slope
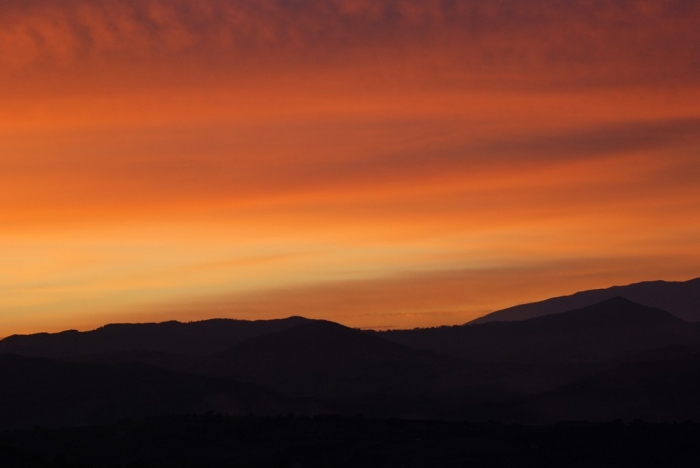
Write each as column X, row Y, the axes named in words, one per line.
column 604, row 331
column 681, row 299
column 192, row 339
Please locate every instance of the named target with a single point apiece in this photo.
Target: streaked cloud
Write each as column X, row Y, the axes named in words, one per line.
column 422, row 299
column 165, row 152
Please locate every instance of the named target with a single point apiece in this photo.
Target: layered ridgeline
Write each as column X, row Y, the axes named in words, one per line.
column 614, row 359
column 608, row 330
column 679, row 298
column 342, row 369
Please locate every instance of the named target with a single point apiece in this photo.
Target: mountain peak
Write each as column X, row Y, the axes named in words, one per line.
column 610, row 329
column 318, row 335
column 679, row 298
column 615, row 311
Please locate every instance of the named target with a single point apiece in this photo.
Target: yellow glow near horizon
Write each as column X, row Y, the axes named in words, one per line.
column 382, row 164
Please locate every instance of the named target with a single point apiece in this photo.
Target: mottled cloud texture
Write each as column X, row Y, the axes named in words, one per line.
column 580, row 42
column 254, row 158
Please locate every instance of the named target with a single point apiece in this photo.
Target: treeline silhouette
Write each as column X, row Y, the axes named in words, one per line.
column 615, row 360
column 612, row 360
column 334, row 441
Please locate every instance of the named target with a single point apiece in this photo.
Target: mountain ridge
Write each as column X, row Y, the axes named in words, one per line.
column 679, row 298
column 605, row 330
column 513, row 370
column 197, row 338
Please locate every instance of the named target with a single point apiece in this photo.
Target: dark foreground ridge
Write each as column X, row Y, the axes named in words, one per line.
column 224, row 393
column 335, row 441
column 613, row 360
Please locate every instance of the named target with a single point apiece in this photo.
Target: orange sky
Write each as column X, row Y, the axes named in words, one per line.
column 378, row 163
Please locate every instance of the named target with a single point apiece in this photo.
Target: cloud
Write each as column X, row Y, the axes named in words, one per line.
column 426, row 298
column 533, row 44
column 489, row 132
column 334, row 170
column 598, row 140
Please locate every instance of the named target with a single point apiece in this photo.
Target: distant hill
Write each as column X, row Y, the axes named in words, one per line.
column 327, row 359
column 681, row 299
column 46, row 392
column 353, row 371
column 604, row 331
column 612, row 359
column 192, row 339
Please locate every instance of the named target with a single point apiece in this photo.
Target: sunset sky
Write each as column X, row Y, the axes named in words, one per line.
column 379, row 163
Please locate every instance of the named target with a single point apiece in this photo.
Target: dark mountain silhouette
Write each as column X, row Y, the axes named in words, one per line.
column 312, row 355
column 215, row 441
column 363, row 372
column 613, row 359
column 681, row 299
column 199, row 365
column 355, row 371
column 327, row 359
column 40, row 391
column 665, row 353
column 192, row 339
column 605, row 331
column 664, row 387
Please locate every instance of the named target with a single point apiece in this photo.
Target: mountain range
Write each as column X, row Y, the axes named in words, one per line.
column 679, row 298
column 607, row 330
column 613, row 359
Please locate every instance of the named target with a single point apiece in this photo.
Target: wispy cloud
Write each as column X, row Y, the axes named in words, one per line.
column 423, row 299
column 575, row 42
column 367, row 139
